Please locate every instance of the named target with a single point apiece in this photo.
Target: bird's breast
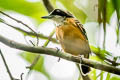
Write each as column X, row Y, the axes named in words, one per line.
column 71, row 40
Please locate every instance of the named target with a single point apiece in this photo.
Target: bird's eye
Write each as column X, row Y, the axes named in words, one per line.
column 58, row 11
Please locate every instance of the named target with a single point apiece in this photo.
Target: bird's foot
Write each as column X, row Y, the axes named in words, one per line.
column 57, row 53
column 81, row 56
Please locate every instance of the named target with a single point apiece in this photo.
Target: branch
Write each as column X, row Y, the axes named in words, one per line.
column 53, row 52
column 29, row 33
column 17, row 21
column 21, row 76
column 22, row 24
column 48, row 5
column 9, row 73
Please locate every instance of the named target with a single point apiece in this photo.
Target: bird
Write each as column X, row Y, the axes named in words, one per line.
column 72, row 36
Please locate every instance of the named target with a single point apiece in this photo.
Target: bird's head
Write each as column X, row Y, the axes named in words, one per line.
column 58, row 15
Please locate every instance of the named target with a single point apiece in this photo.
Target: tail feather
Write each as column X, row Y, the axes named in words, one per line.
column 84, row 69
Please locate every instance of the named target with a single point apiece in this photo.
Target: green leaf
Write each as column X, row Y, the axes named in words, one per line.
column 39, row 66
column 116, row 4
column 96, row 58
column 108, row 76
column 34, row 10
column 117, row 33
column 101, row 55
column 102, row 52
column 110, row 9
column 93, row 74
column 101, row 75
column 115, row 78
column 79, row 14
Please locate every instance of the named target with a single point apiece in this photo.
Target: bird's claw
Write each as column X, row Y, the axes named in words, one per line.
column 81, row 56
column 57, row 52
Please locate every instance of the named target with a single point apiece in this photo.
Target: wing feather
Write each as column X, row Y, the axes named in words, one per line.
column 80, row 26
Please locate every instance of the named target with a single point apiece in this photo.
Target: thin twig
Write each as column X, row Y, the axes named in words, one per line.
column 49, row 38
column 38, row 57
column 22, row 24
column 32, row 65
column 118, row 30
column 29, row 33
column 9, row 73
column 17, row 21
column 21, row 76
column 45, row 44
column 32, row 43
column 34, row 62
column 104, row 21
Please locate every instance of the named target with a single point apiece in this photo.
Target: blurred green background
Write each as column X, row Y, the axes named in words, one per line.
column 101, row 19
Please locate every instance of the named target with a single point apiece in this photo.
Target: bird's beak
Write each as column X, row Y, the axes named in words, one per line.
column 47, row 17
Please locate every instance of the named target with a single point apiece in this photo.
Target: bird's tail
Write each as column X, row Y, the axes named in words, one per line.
column 84, row 70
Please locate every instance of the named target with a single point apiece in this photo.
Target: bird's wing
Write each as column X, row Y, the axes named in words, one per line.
column 80, row 26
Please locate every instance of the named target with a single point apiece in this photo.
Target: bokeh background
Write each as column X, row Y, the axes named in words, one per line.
column 100, row 18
